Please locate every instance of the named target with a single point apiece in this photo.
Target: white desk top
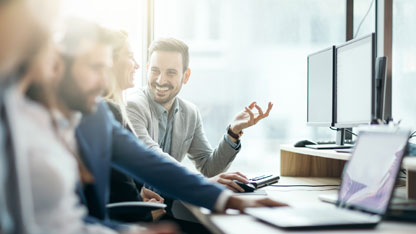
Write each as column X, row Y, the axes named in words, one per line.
column 314, row 152
column 409, row 163
column 235, row 223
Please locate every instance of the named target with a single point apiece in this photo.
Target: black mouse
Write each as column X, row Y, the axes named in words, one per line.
column 248, row 188
column 302, row 143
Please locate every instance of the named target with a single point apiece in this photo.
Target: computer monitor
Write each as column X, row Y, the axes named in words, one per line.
column 354, row 82
column 380, row 95
column 320, row 88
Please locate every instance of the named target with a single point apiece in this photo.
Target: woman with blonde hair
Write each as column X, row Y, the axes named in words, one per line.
column 122, row 77
column 124, row 188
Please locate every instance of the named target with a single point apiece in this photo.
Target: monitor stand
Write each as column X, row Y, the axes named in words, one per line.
column 339, row 143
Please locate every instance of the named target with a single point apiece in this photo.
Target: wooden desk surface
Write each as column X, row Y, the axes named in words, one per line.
column 235, row 223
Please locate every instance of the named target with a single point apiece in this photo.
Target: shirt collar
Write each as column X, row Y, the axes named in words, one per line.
column 159, row 108
column 67, row 123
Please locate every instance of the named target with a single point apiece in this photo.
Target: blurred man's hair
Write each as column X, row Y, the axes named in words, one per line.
column 171, row 44
column 78, row 31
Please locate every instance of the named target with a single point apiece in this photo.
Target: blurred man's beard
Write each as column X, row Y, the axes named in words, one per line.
column 41, row 93
column 70, row 93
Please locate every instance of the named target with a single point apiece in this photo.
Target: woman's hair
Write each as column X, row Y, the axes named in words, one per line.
column 114, row 93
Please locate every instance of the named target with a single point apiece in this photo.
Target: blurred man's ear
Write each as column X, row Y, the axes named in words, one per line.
column 187, row 75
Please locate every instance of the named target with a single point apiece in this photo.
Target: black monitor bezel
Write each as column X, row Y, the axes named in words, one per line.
column 335, row 110
column 320, row 124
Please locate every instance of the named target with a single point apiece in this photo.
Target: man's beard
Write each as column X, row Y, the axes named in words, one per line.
column 166, row 99
column 70, row 93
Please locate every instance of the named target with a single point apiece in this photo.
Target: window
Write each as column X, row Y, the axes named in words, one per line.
column 116, row 14
column 404, row 63
column 364, row 14
column 252, row 50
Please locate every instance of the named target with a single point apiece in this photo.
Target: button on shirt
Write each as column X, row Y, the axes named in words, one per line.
column 66, row 128
column 166, row 121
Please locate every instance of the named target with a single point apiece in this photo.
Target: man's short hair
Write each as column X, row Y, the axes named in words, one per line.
column 80, row 30
column 171, row 44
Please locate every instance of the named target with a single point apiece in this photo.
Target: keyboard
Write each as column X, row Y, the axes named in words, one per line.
column 333, row 142
column 347, row 151
column 326, row 142
column 264, row 180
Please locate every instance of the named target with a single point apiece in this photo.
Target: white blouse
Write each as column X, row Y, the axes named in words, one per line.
column 52, row 169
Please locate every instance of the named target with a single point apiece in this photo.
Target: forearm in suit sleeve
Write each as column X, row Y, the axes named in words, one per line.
column 131, row 156
column 208, row 161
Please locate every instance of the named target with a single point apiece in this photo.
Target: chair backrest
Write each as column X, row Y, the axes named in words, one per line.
column 5, row 219
column 17, row 216
column 13, row 213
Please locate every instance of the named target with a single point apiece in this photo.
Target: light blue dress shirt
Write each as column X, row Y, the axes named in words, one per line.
column 166, row 121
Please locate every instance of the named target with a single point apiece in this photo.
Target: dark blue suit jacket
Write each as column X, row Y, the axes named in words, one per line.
column 104, row 143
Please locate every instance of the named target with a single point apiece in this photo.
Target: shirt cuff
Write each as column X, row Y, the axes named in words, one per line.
column 222, row 200
column 233, row 145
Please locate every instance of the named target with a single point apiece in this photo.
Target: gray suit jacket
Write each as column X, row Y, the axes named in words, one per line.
column 188, row 136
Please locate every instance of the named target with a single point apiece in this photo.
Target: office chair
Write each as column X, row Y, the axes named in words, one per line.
column 17, row 216
column 133, row 211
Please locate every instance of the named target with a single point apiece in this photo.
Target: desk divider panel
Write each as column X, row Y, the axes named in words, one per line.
column 411, row 184
column 296, row 164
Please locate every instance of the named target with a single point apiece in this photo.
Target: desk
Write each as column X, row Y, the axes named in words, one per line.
column 328, row 163
column 306, row 166
column 234, row 223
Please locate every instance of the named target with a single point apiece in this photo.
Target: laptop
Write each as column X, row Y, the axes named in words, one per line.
column 366, row 189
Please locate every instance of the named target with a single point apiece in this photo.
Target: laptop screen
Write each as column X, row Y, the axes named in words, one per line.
column 370, row 175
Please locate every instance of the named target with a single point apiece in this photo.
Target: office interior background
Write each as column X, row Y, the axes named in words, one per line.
column 255, row 50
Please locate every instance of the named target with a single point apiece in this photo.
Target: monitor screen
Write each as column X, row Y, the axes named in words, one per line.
column 354, row 82
column 320, row 86
column 370, row 175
